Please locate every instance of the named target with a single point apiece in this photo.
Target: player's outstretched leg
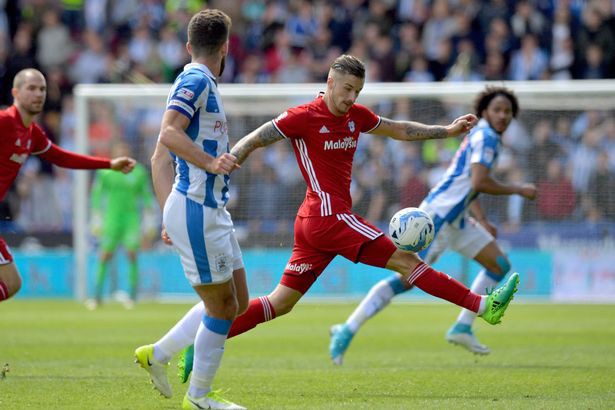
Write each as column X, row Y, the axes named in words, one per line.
column 144, row 356
column 498, row 300
column 213, row 400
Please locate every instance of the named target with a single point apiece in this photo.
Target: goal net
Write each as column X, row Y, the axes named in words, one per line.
column 563, row 140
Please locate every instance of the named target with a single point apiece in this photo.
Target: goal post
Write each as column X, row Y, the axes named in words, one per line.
column 248, row 106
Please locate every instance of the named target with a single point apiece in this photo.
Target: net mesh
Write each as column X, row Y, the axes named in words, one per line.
column 563, row 141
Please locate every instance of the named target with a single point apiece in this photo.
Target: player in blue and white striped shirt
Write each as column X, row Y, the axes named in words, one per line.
column 194, row 137
column 474, row 237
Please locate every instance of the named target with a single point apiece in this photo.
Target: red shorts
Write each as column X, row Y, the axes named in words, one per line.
column 5, row 254
column 320, row 239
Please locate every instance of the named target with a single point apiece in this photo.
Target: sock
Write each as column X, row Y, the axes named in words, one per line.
column 208, row 350
column 133, row 279
column 443, row 286
column 259, row 310
column 100, row 279
column 4, row 291
column 379, row 296
column 180, row 336
column 483, row 282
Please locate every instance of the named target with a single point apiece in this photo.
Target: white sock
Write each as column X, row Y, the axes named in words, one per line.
column 379, row 296
column 481, row 283
column 180, row 336
column 208, row 350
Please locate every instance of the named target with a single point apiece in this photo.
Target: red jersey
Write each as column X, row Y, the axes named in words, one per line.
column 324, row 146
column 17, row 143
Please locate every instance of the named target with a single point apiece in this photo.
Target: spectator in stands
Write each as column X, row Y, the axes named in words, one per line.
column 54, row 44
column 562, row 46
column 528, row 20
column 599, row 202
column 543, row 149
column 530, row 62
column 583, row 160
column 595, row 66
column 90, row 64
column 557, row 198
column 594, row 30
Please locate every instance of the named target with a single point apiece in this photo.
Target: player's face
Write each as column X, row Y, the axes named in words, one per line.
column 499, row 113
column 31, row 95
column 345, row 89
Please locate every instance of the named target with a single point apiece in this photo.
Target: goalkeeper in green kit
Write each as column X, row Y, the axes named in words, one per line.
column 121, row 208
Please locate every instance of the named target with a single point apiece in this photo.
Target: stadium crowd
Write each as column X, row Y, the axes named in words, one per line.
column 570, row 157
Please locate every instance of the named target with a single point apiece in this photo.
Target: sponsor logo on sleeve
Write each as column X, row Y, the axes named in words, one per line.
column 182, row 105
column 186, row 93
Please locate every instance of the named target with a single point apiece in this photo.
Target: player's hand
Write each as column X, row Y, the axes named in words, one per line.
column 165, row 237
column 528, row 191
column 462, row 125
column 123, row 164
column 224, row 164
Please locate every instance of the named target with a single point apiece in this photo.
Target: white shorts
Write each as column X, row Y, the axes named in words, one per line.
column 468, row 241
column 204, row 238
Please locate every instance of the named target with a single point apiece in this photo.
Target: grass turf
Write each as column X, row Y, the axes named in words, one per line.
column 62, row 356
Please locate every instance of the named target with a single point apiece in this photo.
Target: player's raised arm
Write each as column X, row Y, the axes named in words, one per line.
column 264, row 135
column 416, row 131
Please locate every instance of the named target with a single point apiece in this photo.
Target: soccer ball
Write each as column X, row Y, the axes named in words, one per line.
column 411, row 229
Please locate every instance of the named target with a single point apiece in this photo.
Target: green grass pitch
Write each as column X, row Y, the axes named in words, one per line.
column 544, row 356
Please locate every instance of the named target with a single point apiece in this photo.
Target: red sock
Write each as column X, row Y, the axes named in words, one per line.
column 259, row 310
column 443, row 286
column 4, row 291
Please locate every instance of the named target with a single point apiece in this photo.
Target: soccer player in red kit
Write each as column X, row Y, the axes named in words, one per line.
column 324, row 135
column 20, row 137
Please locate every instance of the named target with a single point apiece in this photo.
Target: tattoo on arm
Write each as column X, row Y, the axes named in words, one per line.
column 414, row 131
column 265, row 135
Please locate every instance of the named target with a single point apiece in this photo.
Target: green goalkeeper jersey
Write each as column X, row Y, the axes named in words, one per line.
column 118, row 198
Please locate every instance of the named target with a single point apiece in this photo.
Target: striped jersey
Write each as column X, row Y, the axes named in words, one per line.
column 195, row 94
column 452, row 195
column 324, row 147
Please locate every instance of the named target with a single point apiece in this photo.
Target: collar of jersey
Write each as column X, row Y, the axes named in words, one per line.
column 203, row 68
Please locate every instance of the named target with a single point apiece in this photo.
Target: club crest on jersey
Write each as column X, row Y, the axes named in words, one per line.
column 351, row 126
column 346, row 143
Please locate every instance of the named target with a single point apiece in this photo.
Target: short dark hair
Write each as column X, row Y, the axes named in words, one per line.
column 348, row 64
column 489, row 93
column 208, row 30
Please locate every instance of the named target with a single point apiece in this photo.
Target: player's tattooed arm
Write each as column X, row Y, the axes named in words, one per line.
column 410, row 130
column 415, row 131
column 264, row 135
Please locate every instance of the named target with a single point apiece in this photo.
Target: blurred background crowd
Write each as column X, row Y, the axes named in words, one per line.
column 570, row 155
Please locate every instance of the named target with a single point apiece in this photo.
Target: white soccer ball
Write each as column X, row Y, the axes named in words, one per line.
column 411, row 229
